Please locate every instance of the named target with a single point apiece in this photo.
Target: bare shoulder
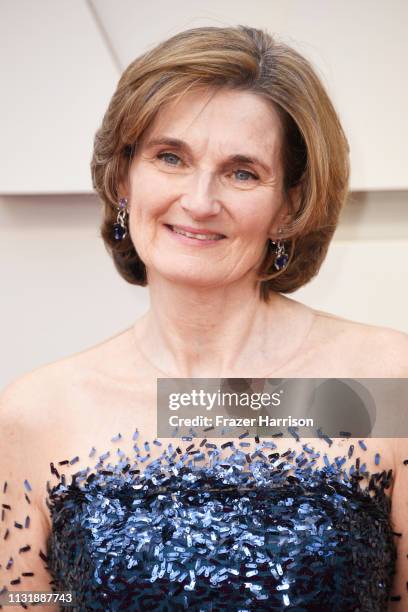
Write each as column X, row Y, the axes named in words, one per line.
column 53, row 381
column 25, row 424
column 57, row 401
column 47, row 408
column 20, row 396
column 375, row 350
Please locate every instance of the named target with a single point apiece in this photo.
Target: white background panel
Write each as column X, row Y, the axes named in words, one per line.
column 59, row 71
column 57, row 79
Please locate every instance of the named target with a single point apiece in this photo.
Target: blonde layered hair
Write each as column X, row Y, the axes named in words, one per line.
column 314, row 150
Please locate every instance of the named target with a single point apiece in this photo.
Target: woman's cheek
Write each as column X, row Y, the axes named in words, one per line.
column 253, row 224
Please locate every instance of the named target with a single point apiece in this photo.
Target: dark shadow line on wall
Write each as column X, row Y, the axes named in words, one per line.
column 104, row 35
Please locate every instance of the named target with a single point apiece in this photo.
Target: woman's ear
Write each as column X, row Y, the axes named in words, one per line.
column 122, row 191
column 123, row 188
column 288, row 210
column 294, row 199
column 291, row 206
column 279, row 225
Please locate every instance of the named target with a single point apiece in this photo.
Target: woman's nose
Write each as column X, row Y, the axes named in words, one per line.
column 200, row 199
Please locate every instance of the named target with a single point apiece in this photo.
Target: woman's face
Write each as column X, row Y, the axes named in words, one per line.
column 196, row 183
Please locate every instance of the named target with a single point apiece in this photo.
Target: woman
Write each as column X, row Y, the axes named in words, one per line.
column 223, row 168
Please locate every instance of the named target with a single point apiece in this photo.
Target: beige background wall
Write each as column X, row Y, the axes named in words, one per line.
column 59, row 290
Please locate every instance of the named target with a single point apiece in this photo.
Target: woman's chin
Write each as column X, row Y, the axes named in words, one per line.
column 190, row 278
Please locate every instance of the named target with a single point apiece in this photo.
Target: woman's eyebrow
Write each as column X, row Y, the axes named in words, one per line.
column 176, row 143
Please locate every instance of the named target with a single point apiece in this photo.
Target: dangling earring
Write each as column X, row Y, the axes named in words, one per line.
column 282, row 257
column 120, row 227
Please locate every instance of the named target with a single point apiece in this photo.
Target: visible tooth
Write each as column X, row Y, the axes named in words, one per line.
column 199, row 236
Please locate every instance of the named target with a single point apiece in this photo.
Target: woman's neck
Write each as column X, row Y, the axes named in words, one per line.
column 216, row 332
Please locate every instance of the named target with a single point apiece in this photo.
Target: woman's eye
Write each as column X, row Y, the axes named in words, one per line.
column 165, row 155
column 253, row 176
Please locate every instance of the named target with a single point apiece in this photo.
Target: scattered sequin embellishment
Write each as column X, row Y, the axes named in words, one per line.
column 245, row 531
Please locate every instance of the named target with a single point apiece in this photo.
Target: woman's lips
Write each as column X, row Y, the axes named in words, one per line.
column 190, row 240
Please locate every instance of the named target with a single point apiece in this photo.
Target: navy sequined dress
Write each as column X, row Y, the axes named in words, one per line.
column 259, row 531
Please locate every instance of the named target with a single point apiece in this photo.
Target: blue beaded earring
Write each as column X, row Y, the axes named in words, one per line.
column 282, row 257
column 120, row 227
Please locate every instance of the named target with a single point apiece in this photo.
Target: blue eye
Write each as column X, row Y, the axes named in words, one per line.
column 253, row 176
column 164, row 157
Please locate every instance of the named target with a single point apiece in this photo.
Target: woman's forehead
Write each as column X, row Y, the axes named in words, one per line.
column 234, row 121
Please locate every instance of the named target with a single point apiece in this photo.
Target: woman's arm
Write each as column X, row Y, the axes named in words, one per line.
column 23, row 525
column 399, row 509
column 399, row 518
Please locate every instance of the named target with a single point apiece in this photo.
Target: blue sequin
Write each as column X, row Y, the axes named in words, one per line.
column 266, row 531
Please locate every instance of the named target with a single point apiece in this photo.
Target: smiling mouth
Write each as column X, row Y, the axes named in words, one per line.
column 196, row 236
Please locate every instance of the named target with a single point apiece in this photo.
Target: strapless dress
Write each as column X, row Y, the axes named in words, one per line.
column 212, row 528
